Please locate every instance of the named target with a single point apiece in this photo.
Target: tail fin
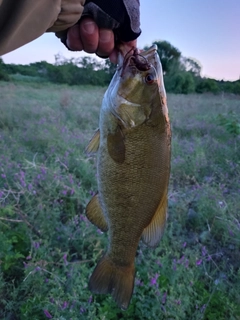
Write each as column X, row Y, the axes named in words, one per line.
column 110, row 278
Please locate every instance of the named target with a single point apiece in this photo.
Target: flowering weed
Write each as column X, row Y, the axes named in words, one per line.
column 48, row 247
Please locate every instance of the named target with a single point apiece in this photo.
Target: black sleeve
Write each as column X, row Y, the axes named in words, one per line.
column 121, row 16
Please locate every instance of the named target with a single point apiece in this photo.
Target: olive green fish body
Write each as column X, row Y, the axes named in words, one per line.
column 130, row 193
column 133, row 171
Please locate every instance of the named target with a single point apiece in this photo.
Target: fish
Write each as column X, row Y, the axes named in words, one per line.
column 133, row 146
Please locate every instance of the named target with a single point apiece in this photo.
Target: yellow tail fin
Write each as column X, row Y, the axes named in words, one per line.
column 117, row 280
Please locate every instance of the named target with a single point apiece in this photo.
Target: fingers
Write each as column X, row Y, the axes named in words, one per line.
column 106, row 42
column 74, row 41
column 88, row 37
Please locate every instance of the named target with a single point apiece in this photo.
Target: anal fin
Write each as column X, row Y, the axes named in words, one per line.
column 95, row 215
column 152, row 234
column 94, row 142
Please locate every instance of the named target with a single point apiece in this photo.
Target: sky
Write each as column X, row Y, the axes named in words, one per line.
column 205, row 30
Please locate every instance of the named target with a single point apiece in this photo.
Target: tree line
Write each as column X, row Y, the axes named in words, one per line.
column 181, row 74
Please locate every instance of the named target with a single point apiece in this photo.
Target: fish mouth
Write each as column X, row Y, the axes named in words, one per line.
column 137, row 59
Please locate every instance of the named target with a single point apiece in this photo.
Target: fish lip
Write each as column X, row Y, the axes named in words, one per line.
column 135, row 59
column 151, row 50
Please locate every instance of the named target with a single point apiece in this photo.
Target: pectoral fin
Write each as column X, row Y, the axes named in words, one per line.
column 95, row 215
column 94, row 142
column 152, row 234
column 116, row 145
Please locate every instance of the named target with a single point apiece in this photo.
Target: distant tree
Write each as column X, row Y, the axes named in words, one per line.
column 180, row 82
column 3, row 73
column 236, row 88
column 188, row 85
column 76, row 71
column 192, row 66
column 207, row 85
column 40, row 67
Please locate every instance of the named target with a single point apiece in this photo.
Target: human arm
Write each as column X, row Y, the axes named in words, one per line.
column 25, row 20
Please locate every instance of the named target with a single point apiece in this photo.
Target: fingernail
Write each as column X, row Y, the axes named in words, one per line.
column 89, row 27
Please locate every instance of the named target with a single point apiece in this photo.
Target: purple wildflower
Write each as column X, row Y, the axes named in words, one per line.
column 153, row 281
column 209, row 258
column 198, row 262
column 238, row 223
column 83, row 218
column 92, row 193
column 43, row 170
column 138, row 282
column 82, row 310
column 204, row 251
column 3, row 176
column 159, row 263
column 164, row 297
column 51, row 300
column 184, row 244
column 36, row 245
column 47, row 314
column 64, row 305
column 65, row 259
column 203, row 308
column 181, row 260
column 90, row 299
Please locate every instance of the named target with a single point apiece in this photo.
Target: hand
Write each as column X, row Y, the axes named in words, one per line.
column 88, row 37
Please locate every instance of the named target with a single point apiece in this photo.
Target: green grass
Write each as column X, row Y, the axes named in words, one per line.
column 49, row 249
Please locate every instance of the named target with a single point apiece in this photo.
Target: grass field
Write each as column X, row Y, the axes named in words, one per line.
column 48, row 248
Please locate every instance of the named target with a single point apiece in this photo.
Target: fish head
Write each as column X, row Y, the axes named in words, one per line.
column 138, row 87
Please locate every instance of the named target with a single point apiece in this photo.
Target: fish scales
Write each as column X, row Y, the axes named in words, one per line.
column 133, row 171
column 141, row 186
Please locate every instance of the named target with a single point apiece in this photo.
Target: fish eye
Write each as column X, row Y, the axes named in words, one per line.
column 149, row 79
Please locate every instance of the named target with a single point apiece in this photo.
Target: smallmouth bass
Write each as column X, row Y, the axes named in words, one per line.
column 133, row 145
